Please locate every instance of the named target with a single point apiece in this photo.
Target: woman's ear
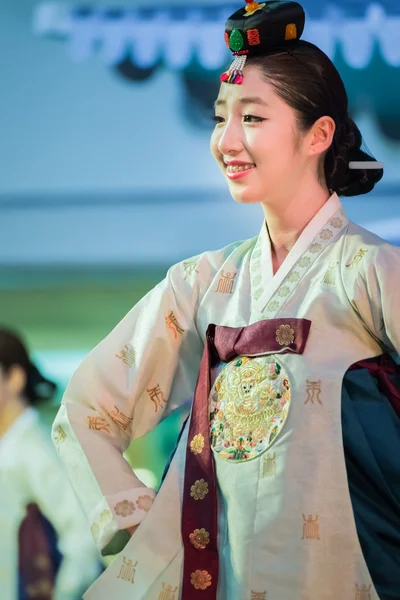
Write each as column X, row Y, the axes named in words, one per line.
column 16, row 380
column 321, row 135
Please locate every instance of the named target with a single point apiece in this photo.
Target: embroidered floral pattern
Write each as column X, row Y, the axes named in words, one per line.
column 258, row 293
column 326, row 234
column 199, row 489
column 144, row 503
column 294, row 277
column 285, row 335
column 124, row 508
column 105, row 517
column 304, row 262
column 95, row 529
column 200, row 580
column 315, row 248
column 197, row 444
column 336, row 222
column 199, row 538
column 274, row 305
column 283, row 291
column 249, row 404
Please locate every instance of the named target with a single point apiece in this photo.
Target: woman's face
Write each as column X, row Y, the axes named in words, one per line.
column 256, row 140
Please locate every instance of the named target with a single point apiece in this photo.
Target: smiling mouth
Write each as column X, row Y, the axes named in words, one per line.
column 239, row 168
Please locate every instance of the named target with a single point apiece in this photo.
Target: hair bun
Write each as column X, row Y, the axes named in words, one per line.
column 345, row 148
column 39, row 388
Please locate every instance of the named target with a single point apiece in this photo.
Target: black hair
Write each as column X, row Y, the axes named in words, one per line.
column 14, row 352
column 307, row 80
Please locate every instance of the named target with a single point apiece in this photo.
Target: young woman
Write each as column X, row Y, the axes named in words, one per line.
column 46, row 550
column 285, row 481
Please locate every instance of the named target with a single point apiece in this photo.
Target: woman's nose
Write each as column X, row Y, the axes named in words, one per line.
column 230, row 141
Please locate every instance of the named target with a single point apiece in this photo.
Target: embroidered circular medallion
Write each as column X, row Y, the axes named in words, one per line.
column 249, row 404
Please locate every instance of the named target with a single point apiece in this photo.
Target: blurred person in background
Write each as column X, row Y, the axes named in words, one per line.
column 46, row 550
column 284, row 483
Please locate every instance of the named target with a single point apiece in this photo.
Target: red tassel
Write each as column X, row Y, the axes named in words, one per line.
column 224, row 77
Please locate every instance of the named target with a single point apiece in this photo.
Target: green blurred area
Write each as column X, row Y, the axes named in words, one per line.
column 74, row 309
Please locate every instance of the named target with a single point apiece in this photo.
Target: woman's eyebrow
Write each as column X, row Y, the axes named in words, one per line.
column 244, row 100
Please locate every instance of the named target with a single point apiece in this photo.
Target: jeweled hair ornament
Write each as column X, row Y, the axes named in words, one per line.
column 259, row 28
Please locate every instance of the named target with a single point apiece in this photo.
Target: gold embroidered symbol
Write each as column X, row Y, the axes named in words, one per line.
column 127, row 355
column 310, row 528
column 124, row 508
column 197, row 444
column 358, row 257
column 156, row 396
column 199, row 538
column 189, row 267
column 122, row 421
column 199, row 489
column 128, row 570
column 225, row 284
column 60, row 436
column 42, row 562
column 363, row 592
column 336, row 222
column 325, row 234
column 269, row 465
column 313, row 392
column 173, row 325
column 258, row 595
column 201, row 580
column 43, row 588
column 98, row 424
column 144, row 503
column 168, row 592
column 330, row 275
column 285, row 335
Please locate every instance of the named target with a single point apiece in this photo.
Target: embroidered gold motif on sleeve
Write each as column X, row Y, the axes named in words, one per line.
column 59, row 435
column 225, row 284
column 168, row 592
column 122, row 421
column 127, row 355
column 269, row 465
column 199, row 538
column 157, row 397
column 357, row 259
column 197, row 444
column 98, row 424
column 363, row 592
column 313, row 390
column 258, row 595
column 189, row 267
column 173, row 325
column 199, row 489
column 310, row 528
column 124, row 508
column 330, row 275
column 144, row 503
column 95, row 530
column 201, row 580
column 128, row 570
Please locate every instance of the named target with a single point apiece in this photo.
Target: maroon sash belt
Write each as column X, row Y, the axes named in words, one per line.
column 199, row 512
column 36, row 569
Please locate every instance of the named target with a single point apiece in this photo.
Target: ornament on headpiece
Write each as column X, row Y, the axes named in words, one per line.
column 259, row 28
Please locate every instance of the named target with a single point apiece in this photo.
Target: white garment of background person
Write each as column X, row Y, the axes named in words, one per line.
column 30, row 472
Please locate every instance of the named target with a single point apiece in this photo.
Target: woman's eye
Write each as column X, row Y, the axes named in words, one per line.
column 252, row 119
column 217, row 119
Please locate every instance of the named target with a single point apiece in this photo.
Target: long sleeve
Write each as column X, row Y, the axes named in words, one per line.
column 145, row 368
column 371, row 278
column 46, row 483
